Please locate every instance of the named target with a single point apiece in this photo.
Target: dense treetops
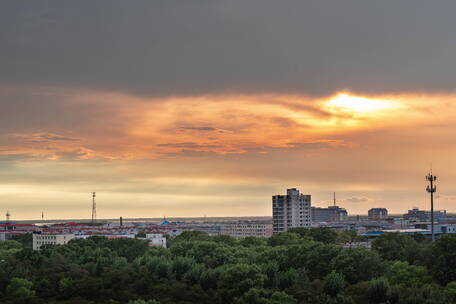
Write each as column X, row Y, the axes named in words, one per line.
column 300, row 266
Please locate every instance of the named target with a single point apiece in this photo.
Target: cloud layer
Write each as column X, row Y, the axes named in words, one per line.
column 218, row 154
column 171, row 47
column 186, row 108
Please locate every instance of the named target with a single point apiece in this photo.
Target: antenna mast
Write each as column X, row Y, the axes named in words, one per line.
column 431, row 188
column 334, row 199
column 94, row 208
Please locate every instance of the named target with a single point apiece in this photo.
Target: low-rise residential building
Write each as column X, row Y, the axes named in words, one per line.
column 246, row 228
column 108, row 236
column 156, row 239
column 50, row 239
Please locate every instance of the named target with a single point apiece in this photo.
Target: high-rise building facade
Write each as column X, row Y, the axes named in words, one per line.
column 290, row 210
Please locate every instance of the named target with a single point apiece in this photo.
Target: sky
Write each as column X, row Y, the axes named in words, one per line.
column 208, row 108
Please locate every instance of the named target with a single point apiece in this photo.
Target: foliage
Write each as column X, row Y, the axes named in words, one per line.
column 443, row 263
column 358, row 264
column 9, row 248
column 303, row 266
column 402, row 273
column 143, row 302
column 25, row 239
column 334, row 284
column 396, row 246
column 141, row 234
column 19, row 288
column 284, row 238
column 322, row 234
column 379, row 291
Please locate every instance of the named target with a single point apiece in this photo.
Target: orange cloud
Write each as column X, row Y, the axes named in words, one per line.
column 196, row 126
column 181, row 154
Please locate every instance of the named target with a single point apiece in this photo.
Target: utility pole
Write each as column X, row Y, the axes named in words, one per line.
column 94, row 208
column 431, row 188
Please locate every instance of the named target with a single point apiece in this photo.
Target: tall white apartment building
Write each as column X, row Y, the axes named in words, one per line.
column 52, row 239
column 291, row 210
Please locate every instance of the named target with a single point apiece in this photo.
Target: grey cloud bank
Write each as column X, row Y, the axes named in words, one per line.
column 198, row 47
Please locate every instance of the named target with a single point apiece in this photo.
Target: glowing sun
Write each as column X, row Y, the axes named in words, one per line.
column 359, row 104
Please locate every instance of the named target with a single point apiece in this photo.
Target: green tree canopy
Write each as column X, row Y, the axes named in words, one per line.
column 334, row 284
column 443, row 259
column 20, row 288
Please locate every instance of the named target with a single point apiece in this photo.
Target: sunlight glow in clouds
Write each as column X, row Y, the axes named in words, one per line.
column 360, row 104
column 233, row 149
column 204, row 126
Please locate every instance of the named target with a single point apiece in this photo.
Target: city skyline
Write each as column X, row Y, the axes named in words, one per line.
column 210, row 108
column 320, row 205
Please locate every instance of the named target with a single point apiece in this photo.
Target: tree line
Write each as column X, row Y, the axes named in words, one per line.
column 303, row 265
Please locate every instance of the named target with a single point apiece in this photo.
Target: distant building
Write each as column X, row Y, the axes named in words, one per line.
column 156, row 239
column 417, row 215
column 290, row 210
column 439, row 228
column 330, row 214
column 210, row 228
column 111, row 236
column 11, row 226
column 410, row 231
column 376, row 214
column 2, row 236
column 120, row 236
column 50, row 239
column 246, row 228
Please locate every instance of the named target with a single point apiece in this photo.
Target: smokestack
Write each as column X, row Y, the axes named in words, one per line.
column 121, row 221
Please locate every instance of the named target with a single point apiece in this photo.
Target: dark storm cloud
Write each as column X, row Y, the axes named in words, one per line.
column 197, row 47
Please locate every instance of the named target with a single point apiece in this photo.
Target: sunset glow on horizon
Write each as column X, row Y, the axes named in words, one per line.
column 187, row 109
column 196, row 143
